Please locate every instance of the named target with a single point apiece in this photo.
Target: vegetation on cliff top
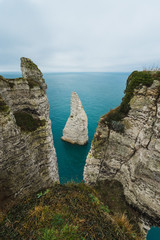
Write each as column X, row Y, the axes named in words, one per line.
column 29, row 64
column 71, row 211
column 10, row 82
column 136, row 79
column 26, row 122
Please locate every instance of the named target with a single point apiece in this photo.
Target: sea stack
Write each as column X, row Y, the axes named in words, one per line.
column 76, row 128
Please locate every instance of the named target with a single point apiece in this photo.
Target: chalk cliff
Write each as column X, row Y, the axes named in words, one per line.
column 27, row 156
column 76, row 128
column 126, row 145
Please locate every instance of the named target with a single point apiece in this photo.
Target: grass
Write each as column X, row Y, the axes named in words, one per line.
column 26, row 121
column 124, row 224
column 112, row 195
column 136, row 79
column 71, row 211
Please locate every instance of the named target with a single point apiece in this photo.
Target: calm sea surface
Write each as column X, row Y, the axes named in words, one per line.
column 99, row 92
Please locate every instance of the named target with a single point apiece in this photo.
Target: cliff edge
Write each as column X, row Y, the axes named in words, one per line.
column 27, row 156
column 126, row 145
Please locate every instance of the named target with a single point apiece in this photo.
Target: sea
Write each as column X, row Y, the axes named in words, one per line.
column 99, row 93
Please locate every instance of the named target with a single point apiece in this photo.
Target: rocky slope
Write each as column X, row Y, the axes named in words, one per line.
column 27, row 156
column 76, row 128
column 126, row 145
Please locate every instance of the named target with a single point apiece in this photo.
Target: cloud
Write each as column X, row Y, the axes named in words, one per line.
column 86, row 35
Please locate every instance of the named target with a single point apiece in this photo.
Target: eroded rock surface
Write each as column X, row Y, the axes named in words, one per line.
column 31, row 72
column 129, row 151
column 27, row 155
column 76, row 128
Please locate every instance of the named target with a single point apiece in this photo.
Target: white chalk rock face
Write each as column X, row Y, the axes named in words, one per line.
column 76, row 128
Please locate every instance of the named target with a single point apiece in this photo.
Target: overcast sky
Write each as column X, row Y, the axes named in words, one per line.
column 80, row 35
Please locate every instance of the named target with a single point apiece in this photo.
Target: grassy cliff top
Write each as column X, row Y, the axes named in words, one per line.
column 71, row 211
column 28, row 63
column 135, row 80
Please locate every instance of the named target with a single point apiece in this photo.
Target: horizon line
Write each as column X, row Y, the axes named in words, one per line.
column 73, row 71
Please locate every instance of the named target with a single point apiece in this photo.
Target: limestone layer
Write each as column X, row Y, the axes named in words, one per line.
column 28, row 159
column 76, row 128
column 131, row 156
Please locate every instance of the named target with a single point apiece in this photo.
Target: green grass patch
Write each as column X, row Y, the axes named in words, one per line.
column 144, row 78
column 26, row 121
column 67, row 212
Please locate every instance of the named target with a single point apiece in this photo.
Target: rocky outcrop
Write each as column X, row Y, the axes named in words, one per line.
column 126, row 145
column 76, row 128
column 30, row 71
column 27, row 156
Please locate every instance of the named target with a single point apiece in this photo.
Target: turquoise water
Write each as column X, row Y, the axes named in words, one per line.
column 99, row 92
column 154, row 234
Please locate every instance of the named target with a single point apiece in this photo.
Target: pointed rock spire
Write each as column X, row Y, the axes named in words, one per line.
column 76, row 128
column 31, row 71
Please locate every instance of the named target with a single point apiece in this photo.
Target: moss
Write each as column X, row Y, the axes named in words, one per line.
column 3, row 106
column 98, row 145
column 135, row 80
column 71, row 211
column 11, row 81
column 26, row 122
column 31, row 65
column 32, row 83
column 89, row 155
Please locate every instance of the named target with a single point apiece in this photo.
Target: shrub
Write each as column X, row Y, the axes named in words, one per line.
column 117, row 126
column 26, row 122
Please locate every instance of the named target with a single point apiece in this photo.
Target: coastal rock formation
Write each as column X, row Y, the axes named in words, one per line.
column 27, row 156
column 76, row 128
column 126, row 145
column 31, row 71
